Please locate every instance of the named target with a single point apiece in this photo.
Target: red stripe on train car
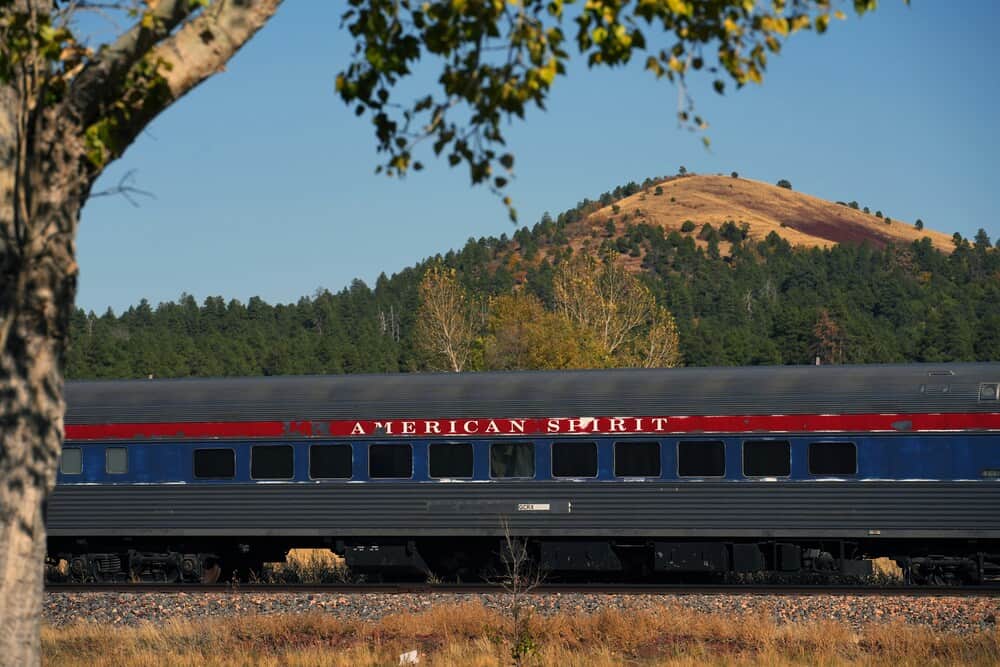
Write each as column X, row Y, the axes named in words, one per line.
column 540, row 426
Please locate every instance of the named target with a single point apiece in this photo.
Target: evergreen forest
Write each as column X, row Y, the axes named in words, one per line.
column 760, row 302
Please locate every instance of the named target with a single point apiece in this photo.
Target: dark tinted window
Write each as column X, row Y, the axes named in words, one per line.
column 574, row 459
column 767, row 458
column 637, row 459
column 390, row 461
column 271, row 462
column 450, row 459
column 512, row 459
column 701, row 459
column 330, row 461
column 214, row 463
column 116, row 460
column 72, row 461
column 833, row 458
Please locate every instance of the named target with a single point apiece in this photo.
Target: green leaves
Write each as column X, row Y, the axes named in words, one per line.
column 499, row 58
column 31, row 39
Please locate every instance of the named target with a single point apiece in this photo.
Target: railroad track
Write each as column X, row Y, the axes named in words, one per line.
column 548, row 589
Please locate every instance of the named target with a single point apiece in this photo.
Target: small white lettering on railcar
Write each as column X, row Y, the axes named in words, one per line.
column 533, row 507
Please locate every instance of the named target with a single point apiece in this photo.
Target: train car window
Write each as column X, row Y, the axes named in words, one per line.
column 637, row 459
column 214, row 463
column 390, row 461
column 452, row 460
column 767, row 458
column 116, row 460
column 833, row 458
column 72, row 461
column 701, row 458
column 574, row 459
column 272, row 462
column 512, row 459
column 331, row 461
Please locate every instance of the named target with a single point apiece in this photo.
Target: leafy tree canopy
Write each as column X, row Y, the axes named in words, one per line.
column 498, row 59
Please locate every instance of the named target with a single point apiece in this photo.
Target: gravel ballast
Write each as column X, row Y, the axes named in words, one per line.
column 948, row 614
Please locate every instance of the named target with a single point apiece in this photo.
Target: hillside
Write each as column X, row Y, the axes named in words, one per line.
column 792, row 285
column 800, row 219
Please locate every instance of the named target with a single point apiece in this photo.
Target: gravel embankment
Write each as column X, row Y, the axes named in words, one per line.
column 951, row 614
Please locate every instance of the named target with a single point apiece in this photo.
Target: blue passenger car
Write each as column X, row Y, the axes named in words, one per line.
column 630, row 473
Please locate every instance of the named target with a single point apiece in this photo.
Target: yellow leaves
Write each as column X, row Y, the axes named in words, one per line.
column 148, row 21
column 800, row 22
column 681, row 7
column 676, row 65
column 548, row 73
column 445, row 326
column 401, row 163
column 522, row 334
column 622, row 36
column 778, row 24
column 732, row 27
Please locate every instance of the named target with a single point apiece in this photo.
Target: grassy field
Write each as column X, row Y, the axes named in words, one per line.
column 472, row 635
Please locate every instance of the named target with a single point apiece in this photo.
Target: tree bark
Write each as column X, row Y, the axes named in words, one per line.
column 41, row 191
column 45, row 177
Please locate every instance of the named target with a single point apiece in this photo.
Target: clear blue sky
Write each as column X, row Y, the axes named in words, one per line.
column 264, row 181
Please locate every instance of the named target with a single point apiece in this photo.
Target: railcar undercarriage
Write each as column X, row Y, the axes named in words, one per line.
column 557, row 559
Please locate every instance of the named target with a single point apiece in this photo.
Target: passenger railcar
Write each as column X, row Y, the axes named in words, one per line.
column 621, row 472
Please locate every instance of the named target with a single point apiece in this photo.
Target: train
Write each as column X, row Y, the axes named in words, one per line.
column 625, row 474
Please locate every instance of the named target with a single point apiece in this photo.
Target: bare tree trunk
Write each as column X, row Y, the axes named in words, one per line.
column 41, row 190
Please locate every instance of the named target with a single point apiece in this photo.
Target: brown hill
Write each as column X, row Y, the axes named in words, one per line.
column 801, row 219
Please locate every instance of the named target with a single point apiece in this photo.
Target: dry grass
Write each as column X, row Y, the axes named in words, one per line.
column 801, row 219
column 887, row 569
column 307, row 566
column 472, row 635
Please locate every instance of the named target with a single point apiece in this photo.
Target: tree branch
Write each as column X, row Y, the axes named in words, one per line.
column 201, row 48
column 126, row 189
column 99, row 84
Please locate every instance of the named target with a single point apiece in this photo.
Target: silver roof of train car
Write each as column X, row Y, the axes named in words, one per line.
column 619, row 392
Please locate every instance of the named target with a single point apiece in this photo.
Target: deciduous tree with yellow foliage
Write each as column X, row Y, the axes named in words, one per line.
column 445, row 327
column 618, row 312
